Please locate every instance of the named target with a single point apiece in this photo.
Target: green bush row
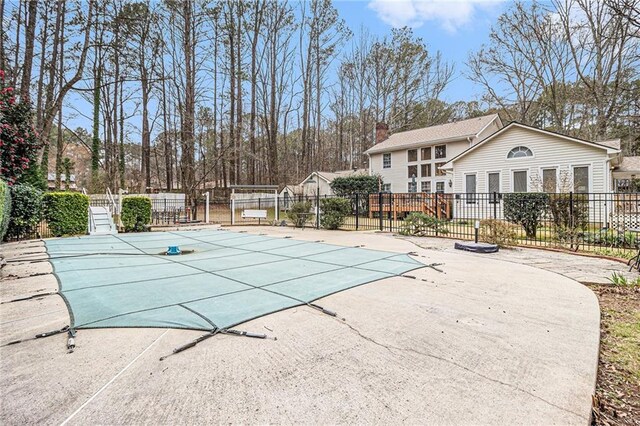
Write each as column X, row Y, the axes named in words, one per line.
column 5, row 208
column 136, row 213
column 26, row 210
column 66, row 213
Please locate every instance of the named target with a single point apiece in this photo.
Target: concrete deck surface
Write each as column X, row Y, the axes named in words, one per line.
column 486, row 341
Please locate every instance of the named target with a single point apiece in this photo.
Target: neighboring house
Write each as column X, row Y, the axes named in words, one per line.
column 321, row 181
column 289, row 194
column 421, row 153
column 51, row 181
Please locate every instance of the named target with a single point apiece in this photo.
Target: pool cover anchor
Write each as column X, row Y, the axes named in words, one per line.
column 324, row 310
column 71, row 341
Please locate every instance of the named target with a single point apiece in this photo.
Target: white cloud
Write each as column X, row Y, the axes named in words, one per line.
column 450, row 14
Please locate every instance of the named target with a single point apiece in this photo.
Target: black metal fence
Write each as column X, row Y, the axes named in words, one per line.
column 607, row 223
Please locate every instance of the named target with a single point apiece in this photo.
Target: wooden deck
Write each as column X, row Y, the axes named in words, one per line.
column 437, row 205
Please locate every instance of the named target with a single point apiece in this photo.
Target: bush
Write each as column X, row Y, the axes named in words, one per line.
column 421, row 224
column 355, row 184
column 299, row 213
column 526, row 209
column 5, row 208
column 612, row 239
column 26, row 210
column 497, row 232
column 136, row 213
column 334, row 211
column 66, row 213
column 569, row 221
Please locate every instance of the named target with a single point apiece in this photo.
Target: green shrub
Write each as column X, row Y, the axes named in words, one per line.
column 526, row 209
column 421, row 224
column 136, row 213
column 570, row 216
column 609, row 238
column 26, row 210
column 299, row 213
column 5, row 208
column 497, row 232
column 355, row 184
column 66, row 213
column 334, row 211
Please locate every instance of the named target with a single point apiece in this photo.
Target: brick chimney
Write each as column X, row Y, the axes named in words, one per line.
column 382, row 132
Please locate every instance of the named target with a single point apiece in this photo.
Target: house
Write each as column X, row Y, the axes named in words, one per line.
column 521, row 158
column 289, row 194
column 321, row 181
column 411, row 161
column 51, row 181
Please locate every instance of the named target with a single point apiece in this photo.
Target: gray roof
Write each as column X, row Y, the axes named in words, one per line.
column 330, row 176
column 611, row 143
column 450, row 131
column 629, row 164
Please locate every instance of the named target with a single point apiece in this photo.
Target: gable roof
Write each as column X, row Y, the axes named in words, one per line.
column 330, row 176
column 609, row 149
column 456, row 130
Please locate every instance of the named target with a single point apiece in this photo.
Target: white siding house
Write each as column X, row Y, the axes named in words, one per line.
column 322, row 181
column 422, row 152
column 521, row 158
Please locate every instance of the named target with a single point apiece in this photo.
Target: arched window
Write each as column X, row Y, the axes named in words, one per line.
column 520, row 152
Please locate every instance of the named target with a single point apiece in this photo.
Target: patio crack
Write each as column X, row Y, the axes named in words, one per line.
column 392, row 349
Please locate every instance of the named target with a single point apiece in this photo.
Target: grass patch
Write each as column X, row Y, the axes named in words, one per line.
column 617, row 398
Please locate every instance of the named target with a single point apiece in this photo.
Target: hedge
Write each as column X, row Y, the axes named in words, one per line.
column 5, row 208
column 136, row 213
column 26, row 210
column 66, row 213
column 334, row 211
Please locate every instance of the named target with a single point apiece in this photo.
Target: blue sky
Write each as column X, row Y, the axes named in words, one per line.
column 455, row 27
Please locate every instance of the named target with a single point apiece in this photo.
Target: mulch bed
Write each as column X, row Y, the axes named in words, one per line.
column 617, row 397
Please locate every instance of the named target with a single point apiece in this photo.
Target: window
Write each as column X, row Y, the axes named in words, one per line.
column 581, row 179
column 470, row 188
column 520, row 152
column 520, row 181
column 412, row 171
column 441, row 151
column 438, row 171
column 386, row 161
column 412, row 155
column 425, row 153
column 425, row 170
column 440, row 187
column 425, row 187
column 386, row 187
column 413, row 186
column 493, row 187
column 549, row 180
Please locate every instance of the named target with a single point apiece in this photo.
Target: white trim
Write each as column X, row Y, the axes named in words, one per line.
column 520, row 158
column 489, row 124
column 519, row 169
column 541, row 170
column 488, row 172
column 589, row 167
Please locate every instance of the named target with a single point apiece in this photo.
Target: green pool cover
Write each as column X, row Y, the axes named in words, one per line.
column 229, row 278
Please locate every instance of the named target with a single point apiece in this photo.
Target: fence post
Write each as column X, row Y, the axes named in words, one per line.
column 318, row 207
column 495, row 205
column 357, row 210
column 380, row 209
column 571, row 227
column 437, row 212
